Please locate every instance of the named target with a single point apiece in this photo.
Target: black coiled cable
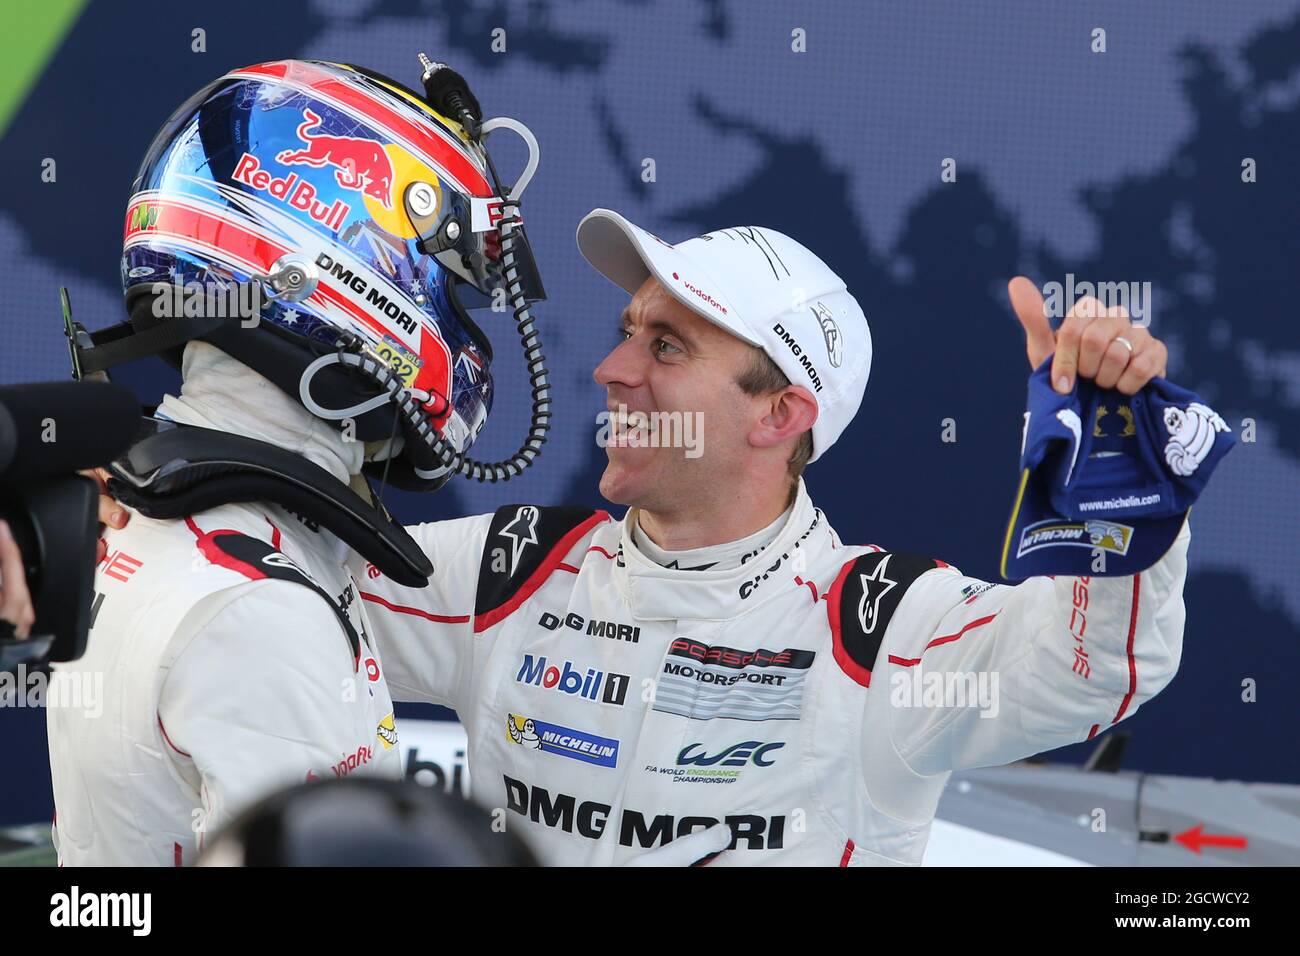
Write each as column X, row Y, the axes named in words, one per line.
column 417, row 418
column 541, row 411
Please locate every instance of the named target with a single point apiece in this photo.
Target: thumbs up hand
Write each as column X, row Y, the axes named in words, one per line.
column 1094, row 342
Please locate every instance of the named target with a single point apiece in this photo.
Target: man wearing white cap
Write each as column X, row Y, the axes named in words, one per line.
column 718, row 656
column 716, row 672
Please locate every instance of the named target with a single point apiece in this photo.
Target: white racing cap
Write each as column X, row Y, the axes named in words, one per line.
column 763, row 288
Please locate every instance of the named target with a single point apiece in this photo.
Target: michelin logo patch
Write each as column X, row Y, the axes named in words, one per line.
column 565, row 741
column 703, row 682
column 1104, row 535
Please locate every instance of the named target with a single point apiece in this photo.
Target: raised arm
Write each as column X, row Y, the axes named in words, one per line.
column 1045, row 663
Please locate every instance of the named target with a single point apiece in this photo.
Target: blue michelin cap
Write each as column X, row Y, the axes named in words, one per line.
column 1107, row 479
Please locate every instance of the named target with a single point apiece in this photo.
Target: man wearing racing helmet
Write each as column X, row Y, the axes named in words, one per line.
column 359, row 221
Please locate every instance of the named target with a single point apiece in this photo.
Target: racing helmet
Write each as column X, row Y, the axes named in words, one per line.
column 369, row 224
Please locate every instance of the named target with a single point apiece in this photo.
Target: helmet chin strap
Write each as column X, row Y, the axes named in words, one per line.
column 364, row 361
column 220, row 392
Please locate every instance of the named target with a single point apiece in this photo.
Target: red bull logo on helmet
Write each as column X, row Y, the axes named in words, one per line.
column 296, row 193
column 359, row 163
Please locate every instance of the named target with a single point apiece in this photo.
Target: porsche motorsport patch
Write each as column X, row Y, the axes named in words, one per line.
column 703, row 682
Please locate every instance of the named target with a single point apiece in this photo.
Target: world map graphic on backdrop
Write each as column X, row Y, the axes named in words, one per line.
column 1122, row 166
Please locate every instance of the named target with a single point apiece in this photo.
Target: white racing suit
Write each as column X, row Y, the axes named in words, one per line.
column 234, row 656
column 613, row 705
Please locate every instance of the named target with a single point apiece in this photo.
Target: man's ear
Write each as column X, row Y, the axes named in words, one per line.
column 789, row 413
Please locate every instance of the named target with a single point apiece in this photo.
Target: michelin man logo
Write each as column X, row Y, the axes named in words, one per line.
column 1191, row 436
column 387, row 732
column 523, row 731
column 1109, row 536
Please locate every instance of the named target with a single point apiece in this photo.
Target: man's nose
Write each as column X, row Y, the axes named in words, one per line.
column 622, row 365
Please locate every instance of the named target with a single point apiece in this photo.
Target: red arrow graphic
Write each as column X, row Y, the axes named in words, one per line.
column 1196, row 837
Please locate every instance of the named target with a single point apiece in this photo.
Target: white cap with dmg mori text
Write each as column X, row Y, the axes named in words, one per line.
column 763, row 288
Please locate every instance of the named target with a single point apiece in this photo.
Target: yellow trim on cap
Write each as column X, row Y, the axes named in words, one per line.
column 1011, row 525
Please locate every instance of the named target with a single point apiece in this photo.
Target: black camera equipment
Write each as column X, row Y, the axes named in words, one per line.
column 48, row 432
